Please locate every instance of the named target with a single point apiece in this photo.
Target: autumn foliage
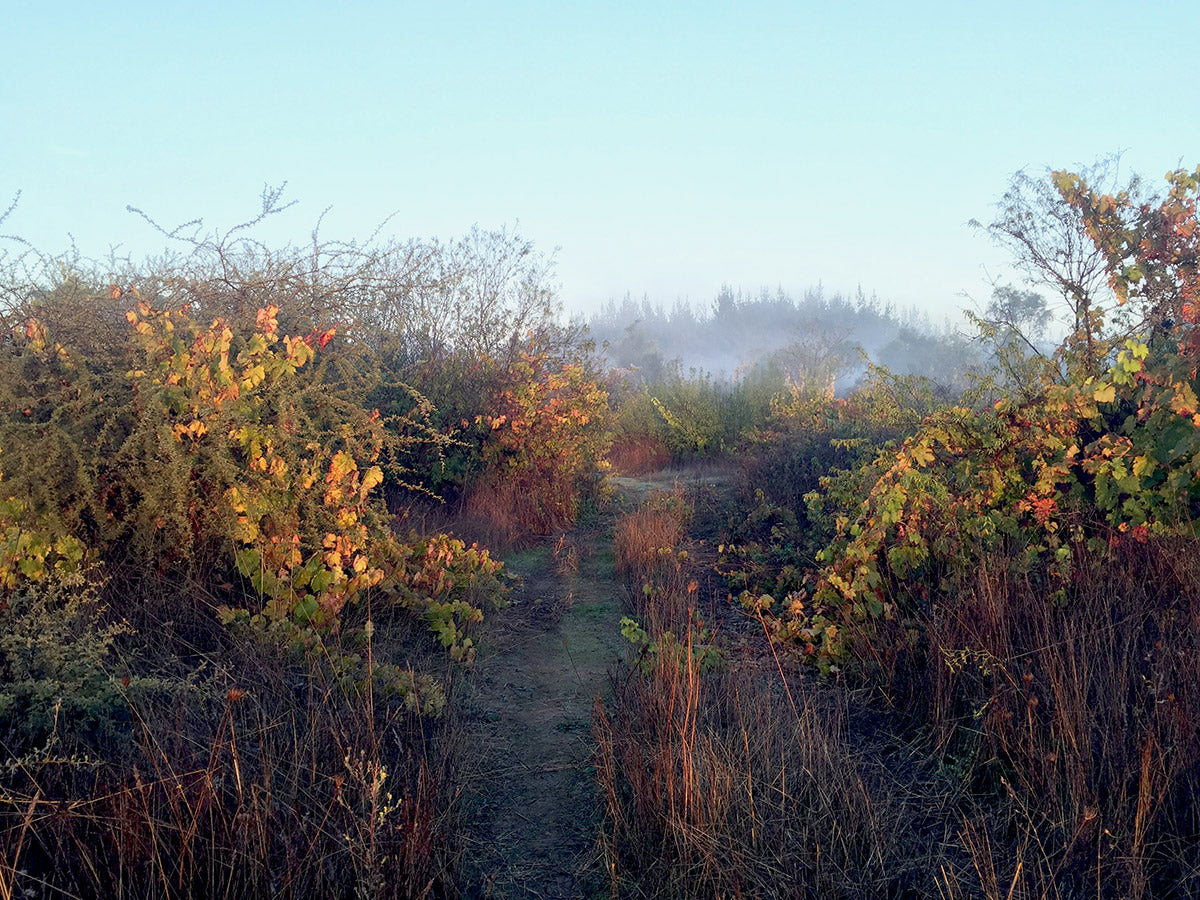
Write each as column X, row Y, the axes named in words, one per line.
column 544, row 446
column 197, row 559
column 1021, row 574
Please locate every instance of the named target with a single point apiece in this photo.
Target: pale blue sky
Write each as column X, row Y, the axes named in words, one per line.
column 665, row 148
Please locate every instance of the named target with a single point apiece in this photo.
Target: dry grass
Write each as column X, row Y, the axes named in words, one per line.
column 1036, row 749
column 638, row 455
column 507, row 510
column 1080, row 718
column 649, row 544
column 1072, row 720
column 284, row 786
column 716, row 786
column 740, row 783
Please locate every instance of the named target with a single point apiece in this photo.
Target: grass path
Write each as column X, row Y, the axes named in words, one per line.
column 541, row 664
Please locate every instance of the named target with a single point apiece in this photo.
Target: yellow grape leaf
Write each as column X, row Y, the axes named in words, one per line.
column 340, row 466
column 1184, row 400
column 1106, row 393
column 35, row 332
column 371, row 478
column 253, row 376
column 245, row 530
column 922, row 455
column 195, row 430
column 1143, row 465
column 266, row 321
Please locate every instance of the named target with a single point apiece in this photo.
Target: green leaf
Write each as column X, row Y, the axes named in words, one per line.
column 248, row 561
column 321, row 580
column 306, row 609
column 633, row 632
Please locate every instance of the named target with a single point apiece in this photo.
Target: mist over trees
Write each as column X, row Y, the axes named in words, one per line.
column 820, row 342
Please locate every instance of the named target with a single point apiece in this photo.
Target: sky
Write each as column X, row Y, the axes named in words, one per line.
column 657, row 149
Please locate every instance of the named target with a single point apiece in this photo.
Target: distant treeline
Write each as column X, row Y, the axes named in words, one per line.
column 818, row 340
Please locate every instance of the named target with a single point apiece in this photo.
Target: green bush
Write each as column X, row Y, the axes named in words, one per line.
column 58, row 686
column 224, row 705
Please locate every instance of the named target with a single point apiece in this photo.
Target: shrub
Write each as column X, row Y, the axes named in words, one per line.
column 57, row 695
column 236, row 701
column 1019, row 577
column 548, row 436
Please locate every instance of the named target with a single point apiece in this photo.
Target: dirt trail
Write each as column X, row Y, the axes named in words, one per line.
column 541, row 663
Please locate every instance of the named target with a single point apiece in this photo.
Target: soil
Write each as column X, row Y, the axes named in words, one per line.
column 540, row 666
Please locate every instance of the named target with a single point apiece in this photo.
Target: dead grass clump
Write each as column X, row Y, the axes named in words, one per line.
column 506, row 510
column 289, row 784
column 717, row 785
column 1079, row 718
column 649, row 546
column 644, row 538
column 566, row 557
column 638, row 454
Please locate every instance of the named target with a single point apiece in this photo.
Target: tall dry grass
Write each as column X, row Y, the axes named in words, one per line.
column 638, row 454
column 1079, row 719
column 1035, row 747
column 744, row 781
column 715, row 785
column 650, row 550
column 289, row 784
column 505, row 510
